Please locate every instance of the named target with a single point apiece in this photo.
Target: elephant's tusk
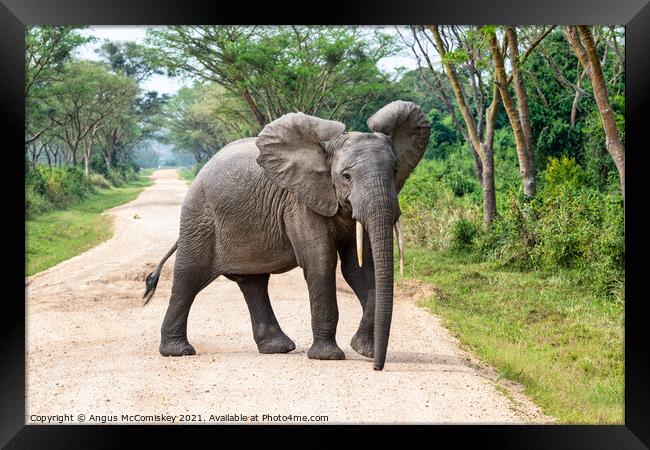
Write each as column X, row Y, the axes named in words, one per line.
column 359, row 243
column 400, row 246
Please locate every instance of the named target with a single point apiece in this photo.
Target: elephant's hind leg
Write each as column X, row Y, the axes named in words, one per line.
column 267, row 333
column 189, row 280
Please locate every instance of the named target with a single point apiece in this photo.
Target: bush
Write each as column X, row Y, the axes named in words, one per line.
column 512, row 235
column 99, row 181
column 429, row 208
column 568, row 225
column 463, row 233
column 64, row 184
column 35, row 203
column 115, row 177
column 53, row 187
column 563, row 171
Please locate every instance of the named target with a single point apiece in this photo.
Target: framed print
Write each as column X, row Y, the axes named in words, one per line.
column 368, row 215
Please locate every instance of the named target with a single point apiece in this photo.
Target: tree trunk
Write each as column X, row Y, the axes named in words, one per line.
column 110, row 148
column 86, row 158
column 254, row 108
column 73, row 150
column 585, row 50
column 478, row 165
column 484, row 150
column 489, row 190
column 576, row 99
column 461, row 99
column 526, row 168
column 522, row 103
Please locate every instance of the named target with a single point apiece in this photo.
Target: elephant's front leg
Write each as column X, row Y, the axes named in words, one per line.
column 362, row 281
column 320, row 274
column 312, row 239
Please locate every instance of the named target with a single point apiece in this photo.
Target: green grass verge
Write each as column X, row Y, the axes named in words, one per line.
column 58, row 235
column 186, row 174
column 559, row 340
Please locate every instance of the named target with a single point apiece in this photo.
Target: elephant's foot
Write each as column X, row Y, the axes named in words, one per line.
column 363, row 344
column 276, row 343
column 178, row 347
column 325, row 350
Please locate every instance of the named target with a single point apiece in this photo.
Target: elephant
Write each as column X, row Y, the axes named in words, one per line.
column 304, row 192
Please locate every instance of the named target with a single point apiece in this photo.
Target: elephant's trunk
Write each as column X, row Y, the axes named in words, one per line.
column 380, row 232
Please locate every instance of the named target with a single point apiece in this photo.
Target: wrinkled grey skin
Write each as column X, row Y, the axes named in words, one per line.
column 288, row 198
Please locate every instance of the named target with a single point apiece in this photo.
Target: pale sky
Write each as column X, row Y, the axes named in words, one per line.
column 165, row 85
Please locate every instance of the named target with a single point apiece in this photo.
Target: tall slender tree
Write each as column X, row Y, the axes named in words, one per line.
column 484, row 146
column 582, row 42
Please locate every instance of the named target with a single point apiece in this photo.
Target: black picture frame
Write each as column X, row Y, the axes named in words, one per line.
column 15, row 14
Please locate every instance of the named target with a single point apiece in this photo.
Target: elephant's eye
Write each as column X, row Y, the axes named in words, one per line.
column 346, row 176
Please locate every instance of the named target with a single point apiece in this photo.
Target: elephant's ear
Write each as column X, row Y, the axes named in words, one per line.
column 409, row 130
column 293, row 155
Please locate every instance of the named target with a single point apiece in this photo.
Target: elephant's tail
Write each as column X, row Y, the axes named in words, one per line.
column 152, row 278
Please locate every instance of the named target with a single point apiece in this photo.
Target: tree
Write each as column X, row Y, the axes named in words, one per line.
column 195, row 124
column 124, row 132
column 83, row 100
column 130, row 59
column 481, row 143
column 435, row 85
column 582, row 42
column 518, row 114
column 275, row 70
column 47, row 50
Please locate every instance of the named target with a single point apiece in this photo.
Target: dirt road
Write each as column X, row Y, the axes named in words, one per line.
column 92, row 349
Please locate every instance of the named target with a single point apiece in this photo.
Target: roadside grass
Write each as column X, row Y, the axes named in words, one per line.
column 58, row 235
column 187, row 174
column 560, row 341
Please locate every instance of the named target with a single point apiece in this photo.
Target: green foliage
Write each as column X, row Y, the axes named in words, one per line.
column 318, row 70
column 564, row 171
column 99, row 181
column 430, row 207
column 443, row 135
column 463, row 233
column 47, row 188
column 569, row 225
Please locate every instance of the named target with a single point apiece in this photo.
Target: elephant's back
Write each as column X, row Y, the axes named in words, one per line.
column 234, row 158
column 232, row 166
column 232, row 185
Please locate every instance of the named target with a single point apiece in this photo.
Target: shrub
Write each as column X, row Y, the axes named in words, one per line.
column 463, row 233
column 35, row 203
column 62, row 185
column 429, row 208
column 563, row 171
column 99, row 181
column 116, row 178
column 53, row 187
column 568, row 225
column 512, row 235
